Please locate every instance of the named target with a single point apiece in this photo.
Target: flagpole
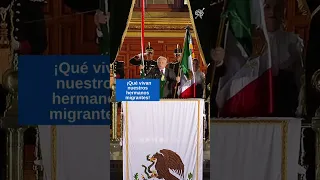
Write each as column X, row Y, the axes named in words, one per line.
column 218, row 43
column 194, row 86
column 194, row 76
column 142, row 37
column 176, row 87
column 179, row 72
column 193, row 71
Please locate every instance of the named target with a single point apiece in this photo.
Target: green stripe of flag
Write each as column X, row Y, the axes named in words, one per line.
column 187, row 53
column 239, row 16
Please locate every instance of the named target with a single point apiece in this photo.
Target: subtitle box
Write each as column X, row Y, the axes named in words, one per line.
column 137, row 90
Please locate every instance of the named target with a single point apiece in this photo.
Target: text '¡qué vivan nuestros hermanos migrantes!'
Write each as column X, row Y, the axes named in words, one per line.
column 73, row 87
column 138, row 90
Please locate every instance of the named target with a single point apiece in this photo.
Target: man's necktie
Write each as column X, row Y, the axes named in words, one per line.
column 162, row 75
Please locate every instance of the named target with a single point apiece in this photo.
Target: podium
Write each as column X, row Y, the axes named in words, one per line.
column 255, row 148
column 163, row 140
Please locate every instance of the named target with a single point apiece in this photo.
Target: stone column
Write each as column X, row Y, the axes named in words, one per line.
column 115, row 148
column 114, row 109
column 15, row 146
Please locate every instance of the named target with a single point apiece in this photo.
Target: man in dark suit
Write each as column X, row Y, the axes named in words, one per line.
column 167, row 77
column 149, row 63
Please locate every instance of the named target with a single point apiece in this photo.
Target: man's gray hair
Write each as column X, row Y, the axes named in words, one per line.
column 161, row 57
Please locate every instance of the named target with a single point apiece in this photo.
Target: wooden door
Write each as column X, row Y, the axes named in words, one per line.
column 69, row 32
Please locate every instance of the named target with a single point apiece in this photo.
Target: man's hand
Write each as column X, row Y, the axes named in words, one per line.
column 137, row 57
column 100, row 18
column 217, row 55
column 141, row 67
column 178, row 79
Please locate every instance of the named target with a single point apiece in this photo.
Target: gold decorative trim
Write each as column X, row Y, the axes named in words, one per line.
column 162, row 22
column 127, row 139
column 304, row 8
column 159, row 34
column 159, row 27
column 284, row 137
column 125, row 31
column 198, row 139
column 159, row 15
column 159, row 24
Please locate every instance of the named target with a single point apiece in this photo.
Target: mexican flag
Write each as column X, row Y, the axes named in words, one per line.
column 239, row 16
column 187, row 82
column 246, row 90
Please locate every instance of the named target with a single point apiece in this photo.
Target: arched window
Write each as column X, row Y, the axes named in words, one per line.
column 163, row 5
